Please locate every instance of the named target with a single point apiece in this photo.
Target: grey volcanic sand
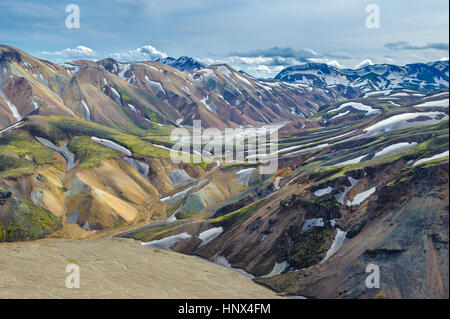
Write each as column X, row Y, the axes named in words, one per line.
column 116, row 268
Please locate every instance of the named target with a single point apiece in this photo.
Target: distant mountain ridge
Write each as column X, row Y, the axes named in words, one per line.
column 417, row 76
column 142, row 94
column 183, row 64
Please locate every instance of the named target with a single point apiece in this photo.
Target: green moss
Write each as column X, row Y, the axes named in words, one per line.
column 125, row 97
column 280, row 283
column 157, row 130
column 62, row 129
column 237, row 165
column 237, row 216
column 151, row 232
column 154, row 116
column 408, row 173
column 26, row 221
column 15, row 146
column 309, row 248
column 89, row 153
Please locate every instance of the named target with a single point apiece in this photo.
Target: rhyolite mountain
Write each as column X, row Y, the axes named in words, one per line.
column 144, row 93
column 362, row 177
column 417, row 76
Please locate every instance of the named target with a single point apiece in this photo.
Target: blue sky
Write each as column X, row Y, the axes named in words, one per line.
column 257, row 36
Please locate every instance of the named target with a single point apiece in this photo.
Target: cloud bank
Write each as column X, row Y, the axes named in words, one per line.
column 404, row 45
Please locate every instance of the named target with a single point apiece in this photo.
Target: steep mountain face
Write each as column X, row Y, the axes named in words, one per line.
column 418, row 76
column 184, row 64
column 58, row 172
column 138, row 95
column 403, row 229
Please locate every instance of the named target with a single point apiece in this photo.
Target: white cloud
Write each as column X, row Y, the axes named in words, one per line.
column 263, row 71
column 144, row 53
column 263, row 68
column 211, row 61
column 364, row 63
column 249, row 60
column 80, row 52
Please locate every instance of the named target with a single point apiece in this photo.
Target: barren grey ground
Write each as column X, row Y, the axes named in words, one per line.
column 117, row 268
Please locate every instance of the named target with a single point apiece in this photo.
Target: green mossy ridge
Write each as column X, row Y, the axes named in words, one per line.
column 89, row 153
column 8, row 163
column 409, row 173
column 158, row 131
column 26, row 221
column 16, row 145
column 238, row 165
column 151, row 232
column 237, row 216
column 280, row 283
column 435, row 141
column 62, row 129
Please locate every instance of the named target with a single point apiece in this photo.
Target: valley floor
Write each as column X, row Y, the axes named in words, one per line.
column 116, row 268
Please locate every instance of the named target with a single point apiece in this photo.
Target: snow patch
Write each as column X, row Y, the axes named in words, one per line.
column 112, row 145
column 323, row 191
column 432, row 158
column 340, row 115
column 154, row 84
column 405, row 120
column 223, row 261
column 87, row 112
column 62, row 150
column 340, row 197
column 11, row 106
column 358, row 106
column 394, row 149
column 313, row 222
column 338, row 242
column 278, row 268
column 168, row 242
column 361, row 197
column 352, row 161
column 440, row 103
column 209, row 235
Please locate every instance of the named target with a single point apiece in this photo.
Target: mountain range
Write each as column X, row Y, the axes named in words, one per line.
column 144, row 93
column 418, row 76
column 362, row 176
